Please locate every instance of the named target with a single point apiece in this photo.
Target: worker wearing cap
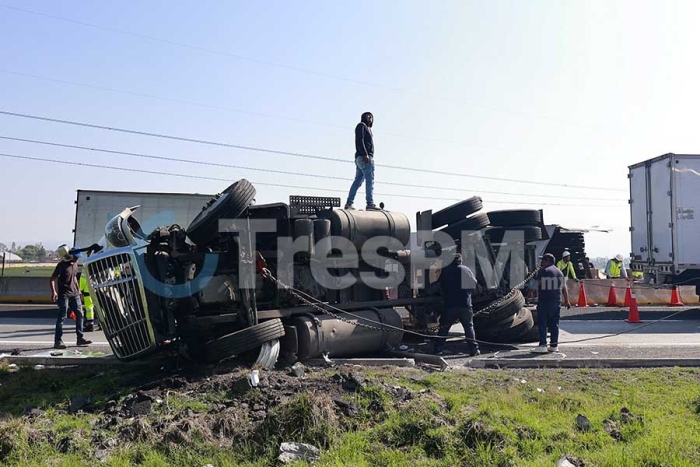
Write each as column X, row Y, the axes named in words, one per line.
column 551, row 288
column 566, row 266
column 457, row 282
column 65, row 291
column 615, row 268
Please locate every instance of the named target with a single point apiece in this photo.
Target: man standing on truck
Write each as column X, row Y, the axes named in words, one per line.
column 364, row 162
column 566, row 266
column 551, row 287
column 65, row 291
column 457, row 283
column 615, row 268
column 89, row 324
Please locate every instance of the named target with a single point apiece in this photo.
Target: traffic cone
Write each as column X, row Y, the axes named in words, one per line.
column 71, row 315
column 628, row 296
column 582, row 300
column 612, row 298
column 675, row 297
column 633, row 315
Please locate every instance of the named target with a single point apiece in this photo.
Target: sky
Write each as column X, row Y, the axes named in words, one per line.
column 566, row 92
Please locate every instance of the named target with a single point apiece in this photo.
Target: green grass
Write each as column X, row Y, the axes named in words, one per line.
column 475, row 418
column 29, row 271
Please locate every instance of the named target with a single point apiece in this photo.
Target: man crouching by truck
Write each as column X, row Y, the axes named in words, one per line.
column 66, row 293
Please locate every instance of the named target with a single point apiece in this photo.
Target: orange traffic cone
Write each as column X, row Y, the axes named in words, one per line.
column 582, row 300
column 675, row 297
column 633, row 315
column 71, row 315
column 612, row 298
column 628, row 296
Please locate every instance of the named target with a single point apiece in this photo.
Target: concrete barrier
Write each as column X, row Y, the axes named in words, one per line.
column 597, row 291
column 25, row 290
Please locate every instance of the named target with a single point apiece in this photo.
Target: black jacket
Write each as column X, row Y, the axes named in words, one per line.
column 364, row 142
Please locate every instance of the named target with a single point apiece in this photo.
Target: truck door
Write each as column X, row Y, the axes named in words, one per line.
column 686, row 192
column 661, row 222
column 638, row 213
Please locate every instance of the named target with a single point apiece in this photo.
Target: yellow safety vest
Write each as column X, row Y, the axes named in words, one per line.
column 84, row 289
column 566, row 268
column 615, row 269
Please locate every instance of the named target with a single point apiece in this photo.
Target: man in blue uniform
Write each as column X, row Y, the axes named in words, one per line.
column 551, row 286
column 457, row 283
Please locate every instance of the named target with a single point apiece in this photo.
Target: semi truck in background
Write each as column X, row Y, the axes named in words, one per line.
column 665, row 219
column 94, row 209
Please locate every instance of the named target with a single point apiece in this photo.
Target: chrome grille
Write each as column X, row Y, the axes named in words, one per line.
column 117, row 291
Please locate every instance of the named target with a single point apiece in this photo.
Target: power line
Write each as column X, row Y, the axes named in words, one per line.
column 283, row 172
column 256, row 114
column 295, row 69
column 203, row 177
column 288, row 153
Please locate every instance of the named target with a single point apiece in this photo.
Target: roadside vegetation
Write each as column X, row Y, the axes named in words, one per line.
column 356, row 416
column 23, row 270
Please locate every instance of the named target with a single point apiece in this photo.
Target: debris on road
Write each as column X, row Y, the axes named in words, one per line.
column 39, row 367
column 298, row 370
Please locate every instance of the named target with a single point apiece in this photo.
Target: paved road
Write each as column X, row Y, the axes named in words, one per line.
column 26, row 327
column 585, row 333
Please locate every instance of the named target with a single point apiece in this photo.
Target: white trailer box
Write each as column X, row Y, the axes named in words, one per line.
column 665, row 218
column 93, row 209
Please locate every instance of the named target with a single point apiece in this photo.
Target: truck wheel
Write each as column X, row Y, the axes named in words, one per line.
column 510, row 329
column 231, row 203
column 504, row 311
column 515, row 217
column 474, row 223
column 496, row 234
column 457, row 211
column 244, row 340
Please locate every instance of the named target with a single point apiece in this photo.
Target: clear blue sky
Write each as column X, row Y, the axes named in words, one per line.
column 568, row 91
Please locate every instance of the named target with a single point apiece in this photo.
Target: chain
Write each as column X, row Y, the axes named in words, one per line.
column 298, row 294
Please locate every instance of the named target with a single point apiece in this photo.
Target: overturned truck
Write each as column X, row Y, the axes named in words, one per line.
column 298, row 280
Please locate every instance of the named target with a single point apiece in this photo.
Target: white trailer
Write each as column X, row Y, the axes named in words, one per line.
column 665, row 218
column 93, row 209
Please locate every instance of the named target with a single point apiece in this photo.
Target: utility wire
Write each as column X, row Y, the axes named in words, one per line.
column 202, row 177
column 288, row 153
column 283, row 172
column 295, row 69
column 263, row 115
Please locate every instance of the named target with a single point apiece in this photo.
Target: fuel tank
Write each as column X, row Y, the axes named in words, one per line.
column 359, row 226
column 319, row 334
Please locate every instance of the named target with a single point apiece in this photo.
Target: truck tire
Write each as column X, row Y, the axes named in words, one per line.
column 231, row 203
column 510, row 329
column 474, row 223
column 457, row 211
column 242, row 341
column 505, row 310
column 496, row 234
column 515, row 217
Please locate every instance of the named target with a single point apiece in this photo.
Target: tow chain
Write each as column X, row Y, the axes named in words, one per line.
column 266, row 273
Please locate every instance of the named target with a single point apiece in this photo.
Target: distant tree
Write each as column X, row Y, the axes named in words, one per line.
column 35, row 252
column 13, row 248
column 3, row 248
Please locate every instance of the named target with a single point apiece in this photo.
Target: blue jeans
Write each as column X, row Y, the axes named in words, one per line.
column 64, row 305
column 448, row 317
column 363, row 171
column 548, row 313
